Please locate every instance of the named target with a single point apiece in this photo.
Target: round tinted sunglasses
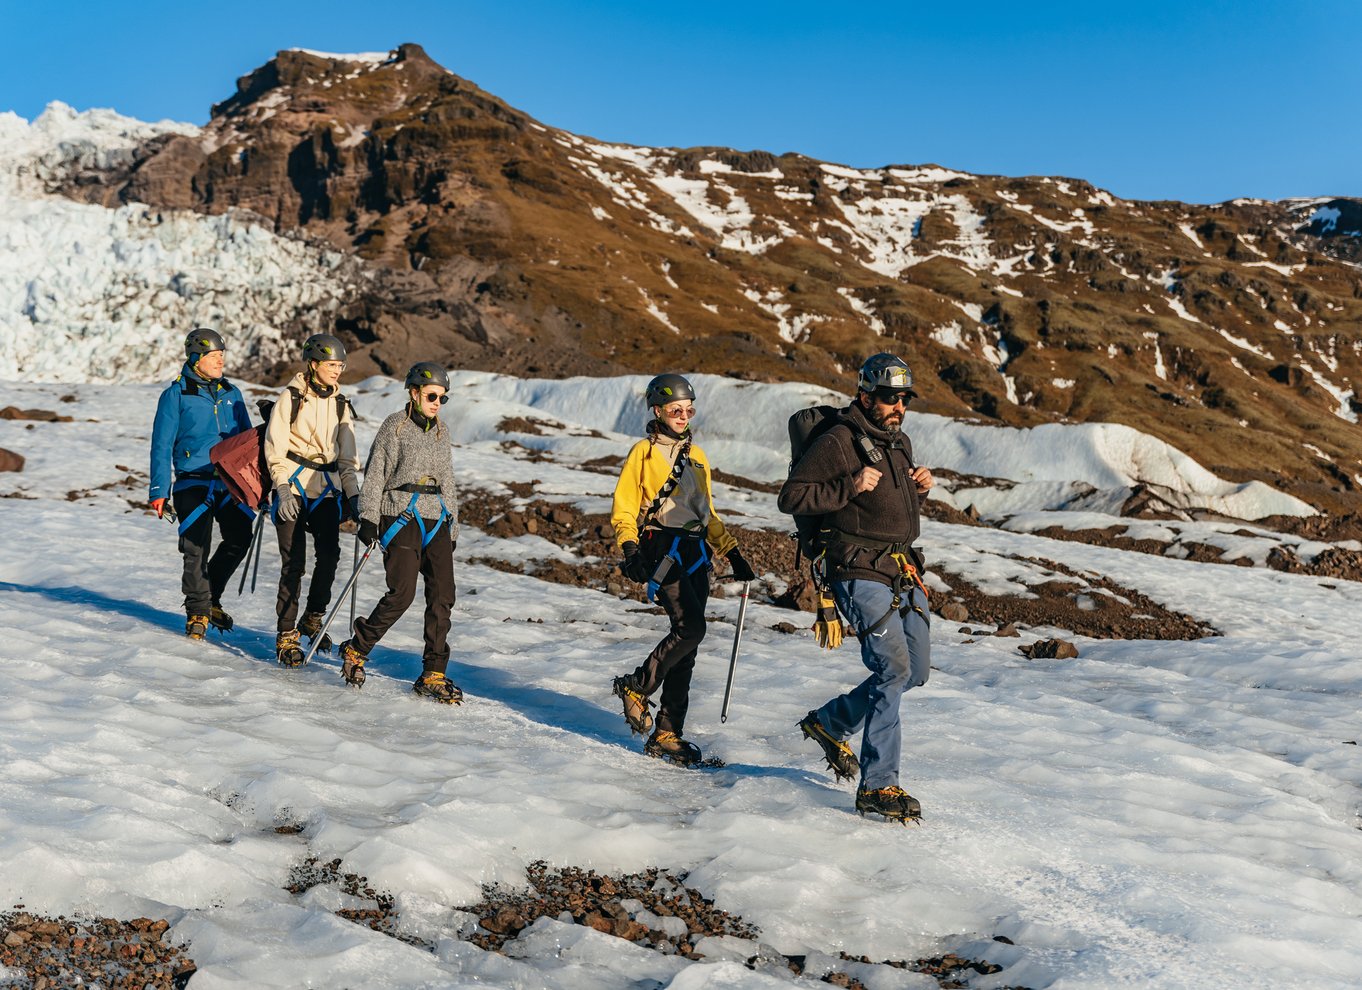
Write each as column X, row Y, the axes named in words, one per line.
column 440, row 397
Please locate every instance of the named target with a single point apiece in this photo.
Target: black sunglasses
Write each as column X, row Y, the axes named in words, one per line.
column 891, row 397
column 432, row 396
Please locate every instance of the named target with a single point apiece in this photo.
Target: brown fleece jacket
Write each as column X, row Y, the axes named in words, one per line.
column 821, row 484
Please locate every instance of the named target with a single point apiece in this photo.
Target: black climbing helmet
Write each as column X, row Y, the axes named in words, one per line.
column 668, row 388
column 203, row 341
column 323, row 347
column 427, row 373
column 887, row 372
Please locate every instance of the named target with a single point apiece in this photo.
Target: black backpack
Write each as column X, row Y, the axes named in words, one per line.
column 806, row 426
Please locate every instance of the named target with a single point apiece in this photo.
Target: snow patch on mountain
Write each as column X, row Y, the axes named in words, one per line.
column 744, row 428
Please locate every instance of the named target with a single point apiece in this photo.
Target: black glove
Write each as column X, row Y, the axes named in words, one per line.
column 742, row 570
column 634, row 567
column 289, row 505
column 353, row 502
column 368, row 532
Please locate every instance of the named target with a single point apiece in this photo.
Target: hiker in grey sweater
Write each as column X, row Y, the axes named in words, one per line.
column 408, row 504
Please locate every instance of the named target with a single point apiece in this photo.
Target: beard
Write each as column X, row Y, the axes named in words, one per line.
column 888, row 420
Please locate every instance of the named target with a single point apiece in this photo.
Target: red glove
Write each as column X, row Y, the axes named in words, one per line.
column 159, row 504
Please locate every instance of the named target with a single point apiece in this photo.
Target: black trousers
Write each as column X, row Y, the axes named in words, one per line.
column 403, row 560
column 683, row 597
column 205, row 577
column 323, row 522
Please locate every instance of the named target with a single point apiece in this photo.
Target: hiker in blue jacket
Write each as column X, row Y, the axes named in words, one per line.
column 198, row 409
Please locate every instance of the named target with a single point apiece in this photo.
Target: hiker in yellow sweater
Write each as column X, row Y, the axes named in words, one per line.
column 667, row 529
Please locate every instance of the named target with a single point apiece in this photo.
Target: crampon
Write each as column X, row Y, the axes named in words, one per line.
column 286, row 649
column 893, row 802
column 195, row 626
column 636, row 706
column 437, row 687
column 352, row 665
column 664, row 745
column 841, row 760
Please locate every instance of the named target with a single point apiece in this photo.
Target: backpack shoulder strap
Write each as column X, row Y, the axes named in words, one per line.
column 297, row 404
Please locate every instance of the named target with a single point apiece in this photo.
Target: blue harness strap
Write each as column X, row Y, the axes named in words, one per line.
column 211, row 499
column 674, row 552
column 202, row 507
column 311, row 504
column 408, row 514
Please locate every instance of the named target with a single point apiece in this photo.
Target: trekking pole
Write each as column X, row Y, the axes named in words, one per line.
column 353, row 597
column 733, row 660
column 252, row 551
column 259, row 542
column 331, row 616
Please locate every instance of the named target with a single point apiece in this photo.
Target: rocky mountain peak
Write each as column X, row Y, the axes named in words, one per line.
column 299, row 71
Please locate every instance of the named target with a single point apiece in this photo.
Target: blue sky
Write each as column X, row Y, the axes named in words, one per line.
column 1200, row 101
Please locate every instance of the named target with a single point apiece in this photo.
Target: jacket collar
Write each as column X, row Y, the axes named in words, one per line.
column 855, row 415
column 192, row 375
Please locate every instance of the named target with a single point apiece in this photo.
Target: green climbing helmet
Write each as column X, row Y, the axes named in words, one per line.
column 323, row 347
column 203, row 341
column 427, row 373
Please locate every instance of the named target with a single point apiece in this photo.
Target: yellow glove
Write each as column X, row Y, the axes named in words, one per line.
column 827, row 628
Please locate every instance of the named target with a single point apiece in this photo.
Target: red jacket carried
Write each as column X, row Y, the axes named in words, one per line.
column 240, row 461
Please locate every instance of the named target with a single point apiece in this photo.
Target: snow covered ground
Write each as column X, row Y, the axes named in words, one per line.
column 1149, row 814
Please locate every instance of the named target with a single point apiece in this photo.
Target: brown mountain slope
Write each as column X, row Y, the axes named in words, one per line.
column 1232, row 331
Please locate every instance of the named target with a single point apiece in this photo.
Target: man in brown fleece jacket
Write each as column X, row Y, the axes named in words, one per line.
column 859, row 477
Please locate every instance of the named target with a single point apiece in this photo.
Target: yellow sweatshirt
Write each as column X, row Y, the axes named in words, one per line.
column 690, row 505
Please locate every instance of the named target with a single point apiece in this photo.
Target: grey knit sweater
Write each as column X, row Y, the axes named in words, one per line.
column 403, row 453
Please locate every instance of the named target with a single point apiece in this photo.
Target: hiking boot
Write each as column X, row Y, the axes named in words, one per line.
column 437, row 687
column 636, row 705
column 352, row 664
column 841, row 760
column 311, row 624
column 196, row 626
column 664, row 745
column 893, row 802
column 286, row 649
column 219, row 619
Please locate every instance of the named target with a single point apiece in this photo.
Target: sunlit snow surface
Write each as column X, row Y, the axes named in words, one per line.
column 1149, row 814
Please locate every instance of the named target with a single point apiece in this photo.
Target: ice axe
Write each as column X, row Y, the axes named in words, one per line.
column 335, row 609
column 733, row 660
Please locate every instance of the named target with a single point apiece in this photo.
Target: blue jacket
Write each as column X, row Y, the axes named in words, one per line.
column 192, row 415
